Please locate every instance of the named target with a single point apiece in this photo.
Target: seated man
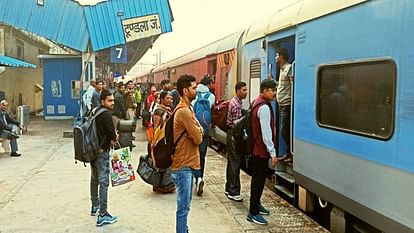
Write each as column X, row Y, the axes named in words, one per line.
column 8, row 128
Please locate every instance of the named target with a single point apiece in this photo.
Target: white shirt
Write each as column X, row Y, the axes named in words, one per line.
column 265, row 125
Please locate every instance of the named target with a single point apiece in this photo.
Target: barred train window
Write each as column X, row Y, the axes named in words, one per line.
column 358, row 97
column 254, row 82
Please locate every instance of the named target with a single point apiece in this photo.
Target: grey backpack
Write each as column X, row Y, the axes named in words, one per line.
column 85, row 138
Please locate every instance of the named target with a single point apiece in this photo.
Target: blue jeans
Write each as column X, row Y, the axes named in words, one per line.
column 100, row 177
column 202, row 148
column 183, row 178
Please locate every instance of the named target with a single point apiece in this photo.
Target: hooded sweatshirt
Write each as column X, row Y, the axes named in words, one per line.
column 204, row 89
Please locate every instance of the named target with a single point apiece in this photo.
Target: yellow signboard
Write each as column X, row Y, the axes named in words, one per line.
column 140, row 27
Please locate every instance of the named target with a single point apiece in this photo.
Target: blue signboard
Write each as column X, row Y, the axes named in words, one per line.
column 119, row 54
column 117, row 74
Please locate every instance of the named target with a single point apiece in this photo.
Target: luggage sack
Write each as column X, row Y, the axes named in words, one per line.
column 147, row 172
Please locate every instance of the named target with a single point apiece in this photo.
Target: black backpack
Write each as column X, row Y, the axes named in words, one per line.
column 164, row 145
column 243, row 130
column 85, row 137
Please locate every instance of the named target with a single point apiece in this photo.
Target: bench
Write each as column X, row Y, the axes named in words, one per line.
column 5, row 144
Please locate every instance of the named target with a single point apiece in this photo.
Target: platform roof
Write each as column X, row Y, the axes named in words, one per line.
column 68, row 23
column 13, row 62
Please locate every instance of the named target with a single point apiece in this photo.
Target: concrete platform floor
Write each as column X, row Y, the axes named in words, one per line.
column 45, row 191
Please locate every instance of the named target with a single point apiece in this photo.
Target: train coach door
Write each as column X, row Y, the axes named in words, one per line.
column 287, row 43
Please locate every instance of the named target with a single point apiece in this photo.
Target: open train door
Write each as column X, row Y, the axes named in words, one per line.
column 289, row 44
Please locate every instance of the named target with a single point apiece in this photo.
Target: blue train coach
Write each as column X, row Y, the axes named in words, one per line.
column 353, row 102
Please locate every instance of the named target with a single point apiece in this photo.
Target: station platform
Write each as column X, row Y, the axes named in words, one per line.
column 45, row 191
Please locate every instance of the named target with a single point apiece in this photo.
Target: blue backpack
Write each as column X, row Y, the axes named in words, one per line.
column 203, row 111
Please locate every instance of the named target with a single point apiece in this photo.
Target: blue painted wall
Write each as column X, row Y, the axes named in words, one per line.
column 63, row 71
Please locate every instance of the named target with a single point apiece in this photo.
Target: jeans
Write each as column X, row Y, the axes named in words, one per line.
column 100, row 177
column 183, row 179
column 13, row 140
column 259, row 168
column 233, row 166
column 203, row 151
column 285, row 125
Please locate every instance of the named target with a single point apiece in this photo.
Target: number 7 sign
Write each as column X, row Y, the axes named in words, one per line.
column 119, row 54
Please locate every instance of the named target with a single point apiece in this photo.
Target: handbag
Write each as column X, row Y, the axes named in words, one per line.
column 147, row 171
column 146, row 115
column 121, row 171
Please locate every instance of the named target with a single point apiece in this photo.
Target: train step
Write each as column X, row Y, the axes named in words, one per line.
column 289, row 168
column 285, row 191
column 286, row 176
column 285, row 167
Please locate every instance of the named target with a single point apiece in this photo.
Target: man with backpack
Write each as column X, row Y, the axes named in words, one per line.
column 188, row 134
column 234, row 112
column 100, row 166
column 263, row 134
column 203, row 104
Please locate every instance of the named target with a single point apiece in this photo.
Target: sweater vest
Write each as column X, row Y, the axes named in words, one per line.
column 259, row 148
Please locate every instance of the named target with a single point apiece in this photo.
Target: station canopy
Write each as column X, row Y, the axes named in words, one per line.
column 12, row 62
column 135, row 23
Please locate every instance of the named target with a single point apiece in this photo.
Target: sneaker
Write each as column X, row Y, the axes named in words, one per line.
column 94, row 210
column 15, row 154
column 226, row 193
column 106, row 219
column 235, row 197
column 200, row 187
column 263, row 211
column 258, row 219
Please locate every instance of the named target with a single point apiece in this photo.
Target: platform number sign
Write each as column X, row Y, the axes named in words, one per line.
column 119, row 54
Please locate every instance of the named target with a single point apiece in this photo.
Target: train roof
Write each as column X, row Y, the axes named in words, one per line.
column 225, row 44
column 294, row 14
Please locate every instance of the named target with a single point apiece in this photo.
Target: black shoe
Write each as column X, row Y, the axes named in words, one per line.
column 200, row 187
column 14, row 154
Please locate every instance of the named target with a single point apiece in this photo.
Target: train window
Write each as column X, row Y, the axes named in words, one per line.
column 358, row 97
column 255, row 68
column 254, row 82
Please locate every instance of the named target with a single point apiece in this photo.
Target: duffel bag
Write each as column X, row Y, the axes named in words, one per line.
column 147, row 172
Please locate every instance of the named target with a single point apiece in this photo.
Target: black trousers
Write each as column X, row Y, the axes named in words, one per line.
column 233, row 167
column 284, row 112
column 138, row 110
column 259, row 168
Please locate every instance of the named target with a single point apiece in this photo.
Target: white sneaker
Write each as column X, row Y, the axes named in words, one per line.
column 235, row 197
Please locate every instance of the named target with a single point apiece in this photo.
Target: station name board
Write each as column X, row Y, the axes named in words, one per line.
column 140, row 27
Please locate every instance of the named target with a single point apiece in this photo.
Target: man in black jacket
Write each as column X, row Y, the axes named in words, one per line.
column 8, row 128
column 100, row 166
column 119, row 107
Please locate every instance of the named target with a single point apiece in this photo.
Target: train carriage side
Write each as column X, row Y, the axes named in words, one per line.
column 353, row 111
column 352, row 102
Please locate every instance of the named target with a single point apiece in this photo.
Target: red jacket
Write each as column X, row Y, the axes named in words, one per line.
column 259, row 148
